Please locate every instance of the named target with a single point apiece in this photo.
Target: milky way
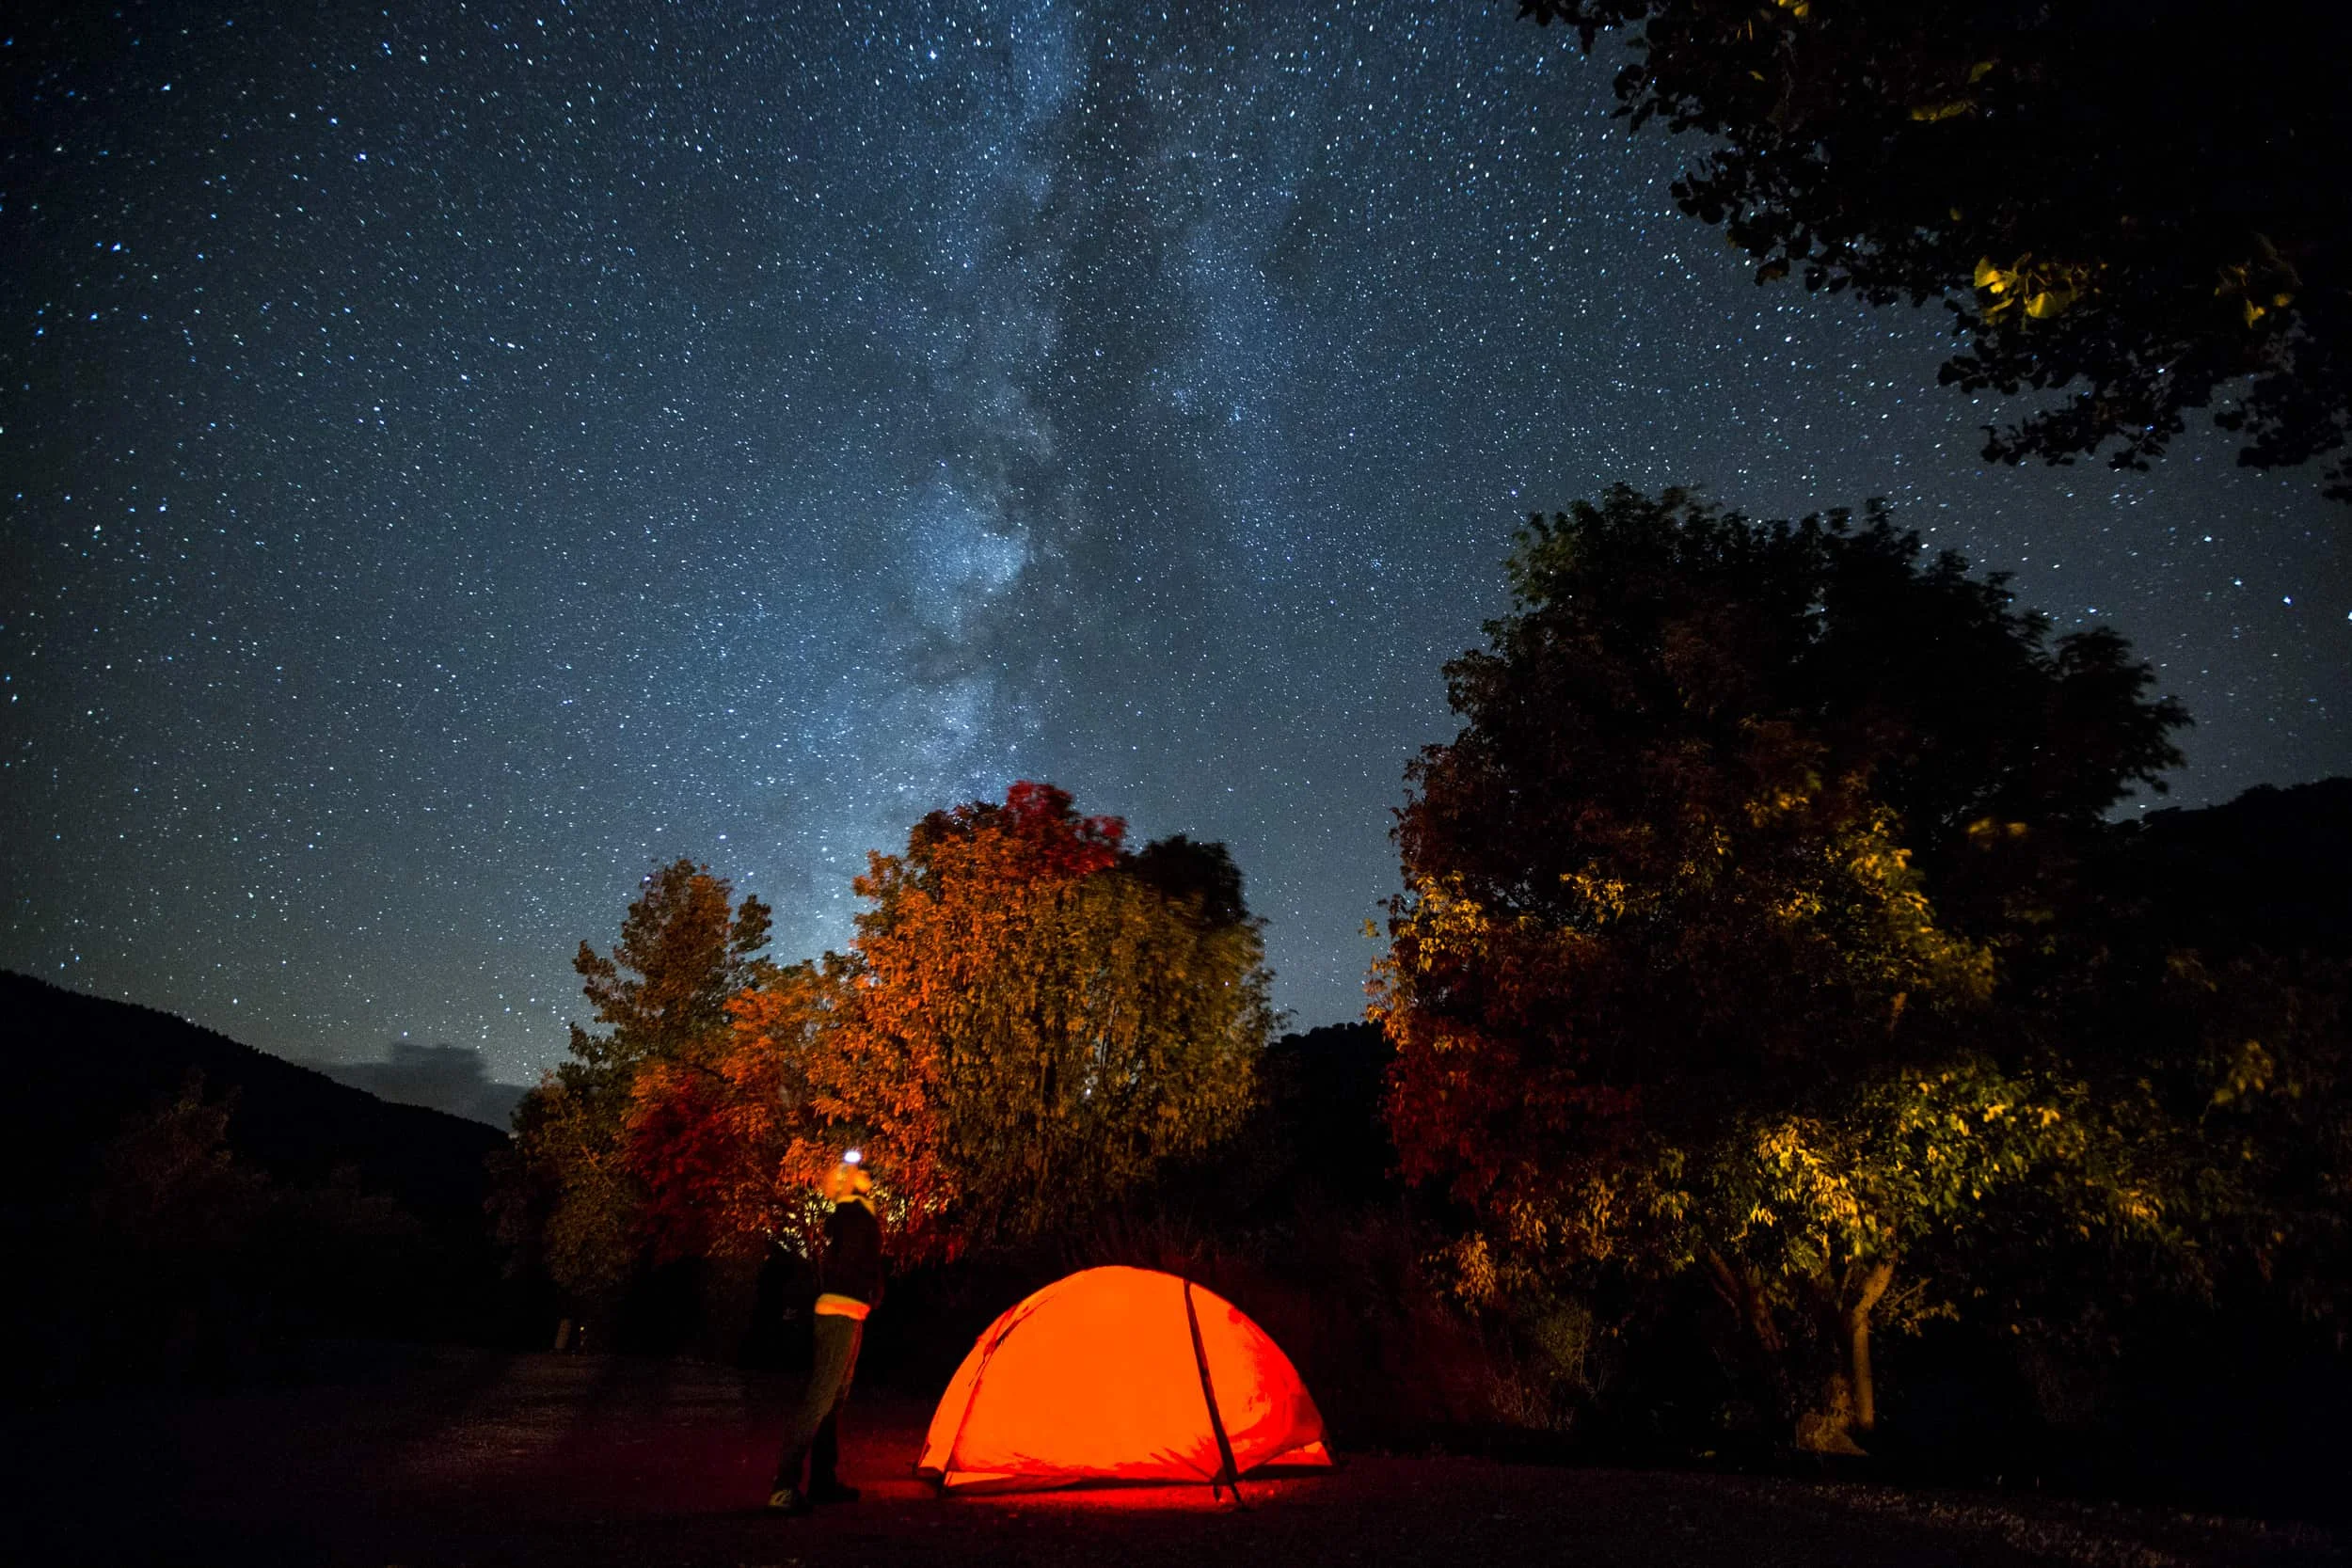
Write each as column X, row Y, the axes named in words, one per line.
column 456, row 458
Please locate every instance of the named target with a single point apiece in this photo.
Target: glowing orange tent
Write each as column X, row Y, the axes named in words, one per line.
column 1120, row 1375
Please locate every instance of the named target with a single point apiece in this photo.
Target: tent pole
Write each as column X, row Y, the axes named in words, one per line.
column 1226, row 1473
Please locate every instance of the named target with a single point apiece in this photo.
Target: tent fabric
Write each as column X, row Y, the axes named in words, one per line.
column 1096, row 1378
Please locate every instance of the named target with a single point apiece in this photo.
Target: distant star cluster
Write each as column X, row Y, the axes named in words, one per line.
column 458, row 457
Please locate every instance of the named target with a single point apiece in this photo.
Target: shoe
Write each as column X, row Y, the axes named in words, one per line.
column 789, row 1500
column 832, row 1492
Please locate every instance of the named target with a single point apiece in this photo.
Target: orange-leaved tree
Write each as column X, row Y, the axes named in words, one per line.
column 1032, row 1021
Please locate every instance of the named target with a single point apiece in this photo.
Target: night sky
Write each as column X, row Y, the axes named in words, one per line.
column 457, row 457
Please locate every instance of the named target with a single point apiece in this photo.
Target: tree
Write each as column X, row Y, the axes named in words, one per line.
column 1033, row 1021
column 594, row 1140
column 1708, row 907
column 2263, row 1043
column 2143, row 202
column 662, row 995
column 172, row 1188
column 733, row 1153
column 194, row 1249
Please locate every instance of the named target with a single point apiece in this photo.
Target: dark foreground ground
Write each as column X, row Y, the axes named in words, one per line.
column 452, row 1458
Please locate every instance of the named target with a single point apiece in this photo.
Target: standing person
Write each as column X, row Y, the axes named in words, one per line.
column 852, row 1276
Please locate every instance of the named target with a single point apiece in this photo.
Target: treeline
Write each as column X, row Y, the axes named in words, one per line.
column 1033, row 1022
column 1778, row 1048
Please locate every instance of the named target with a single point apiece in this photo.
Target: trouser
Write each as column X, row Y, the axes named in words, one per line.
column 813, row 1436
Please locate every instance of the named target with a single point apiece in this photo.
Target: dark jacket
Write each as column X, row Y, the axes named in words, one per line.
column 853, row 1255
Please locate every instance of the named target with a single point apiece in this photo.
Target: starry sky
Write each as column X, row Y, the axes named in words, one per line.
column 456, row 457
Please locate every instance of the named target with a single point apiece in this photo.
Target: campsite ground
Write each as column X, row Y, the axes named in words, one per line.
column 453, row 1457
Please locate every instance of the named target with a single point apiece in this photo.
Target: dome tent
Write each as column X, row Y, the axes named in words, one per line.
column 1120, row 1375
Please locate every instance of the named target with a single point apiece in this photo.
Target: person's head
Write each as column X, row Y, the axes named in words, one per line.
column 849, row 1179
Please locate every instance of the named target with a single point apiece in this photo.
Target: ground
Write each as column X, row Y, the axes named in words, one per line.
column 462, row 1458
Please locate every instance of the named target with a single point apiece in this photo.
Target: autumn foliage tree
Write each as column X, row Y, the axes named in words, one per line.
column 616, row 1146
column 1709, row 909
column 1033, row 1021
column 2141, row 203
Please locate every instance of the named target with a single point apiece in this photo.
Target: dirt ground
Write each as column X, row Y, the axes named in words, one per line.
column 470, row 1458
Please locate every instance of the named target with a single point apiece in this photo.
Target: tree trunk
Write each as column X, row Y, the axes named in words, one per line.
column 1866, row 1291
column 1743, row 1291
column 1849, row 1403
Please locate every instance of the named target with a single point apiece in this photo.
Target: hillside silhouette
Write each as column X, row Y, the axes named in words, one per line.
column 184, row 1208
column 83, row 1066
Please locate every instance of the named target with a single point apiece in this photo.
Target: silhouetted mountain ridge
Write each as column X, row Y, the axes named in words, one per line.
column 80, row 1066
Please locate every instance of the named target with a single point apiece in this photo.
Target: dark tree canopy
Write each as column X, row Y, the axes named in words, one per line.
column 2140, row 201
column 1671, row 664
column 1714, row 909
